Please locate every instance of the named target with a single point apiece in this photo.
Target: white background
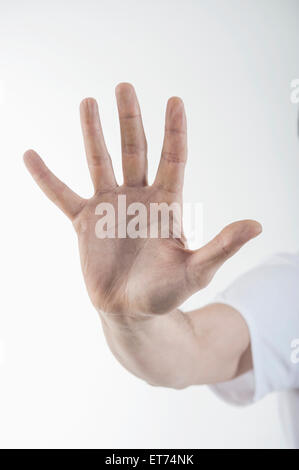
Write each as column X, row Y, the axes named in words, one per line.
column 232, row 62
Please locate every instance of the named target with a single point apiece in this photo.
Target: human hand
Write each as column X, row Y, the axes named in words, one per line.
column 136, row 276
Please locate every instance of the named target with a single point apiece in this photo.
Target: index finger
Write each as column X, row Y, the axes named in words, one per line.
column 98, row 158
column 170, row 175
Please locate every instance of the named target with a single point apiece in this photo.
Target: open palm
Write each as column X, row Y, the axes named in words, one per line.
column 134, row 276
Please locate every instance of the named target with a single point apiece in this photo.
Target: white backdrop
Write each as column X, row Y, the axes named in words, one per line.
column 232, row 62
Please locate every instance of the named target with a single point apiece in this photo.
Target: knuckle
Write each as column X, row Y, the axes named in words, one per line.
column 173, row 157
column 224, row 244
column 133, row 149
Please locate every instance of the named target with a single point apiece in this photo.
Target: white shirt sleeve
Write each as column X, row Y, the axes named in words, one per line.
column 268, row 299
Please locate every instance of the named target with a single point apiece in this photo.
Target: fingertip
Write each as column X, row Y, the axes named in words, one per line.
column 240, row 232
column 175, row 110
column 175, row 119
column 124, row 88
column 29, row 156
column 88, row 104
column 256, row 229
column 33, row 162
column 127, row 102
column 253, row 228
column 175, row 101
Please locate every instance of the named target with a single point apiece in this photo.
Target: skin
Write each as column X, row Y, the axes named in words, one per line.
column 137, row 285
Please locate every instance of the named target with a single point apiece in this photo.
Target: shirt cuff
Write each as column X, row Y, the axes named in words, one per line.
column 251, row 386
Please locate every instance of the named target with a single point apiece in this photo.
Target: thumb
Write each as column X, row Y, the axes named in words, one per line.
column 203, row 263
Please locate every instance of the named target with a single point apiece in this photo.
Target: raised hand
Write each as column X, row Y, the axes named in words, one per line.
column 137, row 276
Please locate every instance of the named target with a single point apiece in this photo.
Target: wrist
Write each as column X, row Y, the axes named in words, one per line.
column 134, row 322
column 125, row 321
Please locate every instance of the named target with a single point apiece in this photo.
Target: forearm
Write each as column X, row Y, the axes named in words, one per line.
column 180, row 349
